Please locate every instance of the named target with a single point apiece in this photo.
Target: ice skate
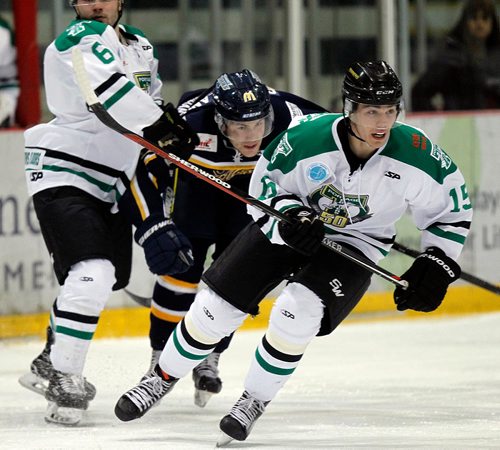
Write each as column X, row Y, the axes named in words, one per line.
column 206, row 379
column 41, row 369
column 139, row 400
column 155, row 357
column 241, row 419
column 67, row 398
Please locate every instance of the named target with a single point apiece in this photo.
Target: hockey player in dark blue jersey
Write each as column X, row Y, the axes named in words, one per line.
column 235, row 120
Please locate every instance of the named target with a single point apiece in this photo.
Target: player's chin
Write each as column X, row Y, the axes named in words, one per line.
column 249, row 150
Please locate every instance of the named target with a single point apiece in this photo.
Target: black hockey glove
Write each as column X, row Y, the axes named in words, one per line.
column 305, row 232
column 167, row 250
column 172, row 133
column 159, row 168
column 428, row 278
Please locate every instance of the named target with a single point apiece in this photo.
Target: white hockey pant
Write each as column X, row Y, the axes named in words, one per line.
column 79, row 304
column 209, row 319
column 295, row 320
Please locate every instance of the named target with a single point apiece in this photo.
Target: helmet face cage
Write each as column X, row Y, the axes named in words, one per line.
column 371, row 83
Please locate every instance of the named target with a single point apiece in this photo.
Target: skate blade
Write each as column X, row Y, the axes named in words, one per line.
column 201, row 398
column 63, row 415
column 223, row 440
column 34, row 383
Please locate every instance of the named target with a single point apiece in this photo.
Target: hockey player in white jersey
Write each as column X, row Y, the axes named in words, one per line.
column 77, row 171
column 350, row 177
column 9, row 84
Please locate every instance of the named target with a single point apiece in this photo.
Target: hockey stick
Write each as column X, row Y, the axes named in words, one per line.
column 146, row 301
column 99, row 110
column 465, row 276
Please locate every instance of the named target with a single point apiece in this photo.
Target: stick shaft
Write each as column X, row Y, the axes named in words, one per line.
column 103, row 115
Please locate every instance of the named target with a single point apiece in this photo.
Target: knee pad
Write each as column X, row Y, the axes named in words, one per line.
column 87, row 287
column 295, row 319
column 210, row 318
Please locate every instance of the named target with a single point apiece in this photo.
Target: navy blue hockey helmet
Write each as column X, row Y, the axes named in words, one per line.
column 242, row 97
column 372, row 83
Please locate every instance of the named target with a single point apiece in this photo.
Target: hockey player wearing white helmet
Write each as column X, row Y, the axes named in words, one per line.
column 347, row 176
column 77, row 171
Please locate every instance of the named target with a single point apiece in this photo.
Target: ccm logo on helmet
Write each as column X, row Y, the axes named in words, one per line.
column 386, row 92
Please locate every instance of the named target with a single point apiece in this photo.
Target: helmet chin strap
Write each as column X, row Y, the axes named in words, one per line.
column 351, row 131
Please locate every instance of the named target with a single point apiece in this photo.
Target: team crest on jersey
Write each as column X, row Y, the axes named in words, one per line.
column 317, row 172
column 339, row 210
column 283, row 148
column 439, row 154
column 143, row 80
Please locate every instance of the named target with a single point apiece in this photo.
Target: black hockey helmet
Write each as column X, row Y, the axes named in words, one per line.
column 241, row 96
column 372, row 83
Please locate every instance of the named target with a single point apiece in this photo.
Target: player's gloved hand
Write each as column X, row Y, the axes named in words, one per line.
column 167, row 250
column 305, row 232
column 158, row 168
column 172, row 133
column 428, row 278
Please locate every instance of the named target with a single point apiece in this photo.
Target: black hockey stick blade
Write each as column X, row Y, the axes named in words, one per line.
column 106, row 118
column 143, row 301
column 472, row 279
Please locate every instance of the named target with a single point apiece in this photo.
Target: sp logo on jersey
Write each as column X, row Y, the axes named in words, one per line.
column 393, row 175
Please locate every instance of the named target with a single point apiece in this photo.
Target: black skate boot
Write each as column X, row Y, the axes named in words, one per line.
column 206, row 379
column 241, row 419
column 67, row 398
column 139, row 400
column 41, row 369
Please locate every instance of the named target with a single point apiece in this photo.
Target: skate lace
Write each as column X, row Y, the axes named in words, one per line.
column 247, row 409
column 146, row 393
column 208, row 367
column 72, row 384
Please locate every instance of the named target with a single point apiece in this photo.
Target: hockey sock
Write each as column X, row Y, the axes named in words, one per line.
column 208, row 320
column 295, row 320
column 76, row 312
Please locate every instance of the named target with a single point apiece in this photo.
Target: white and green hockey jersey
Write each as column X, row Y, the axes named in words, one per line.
column 306, row 164
column 9, row 84
column 75, row 148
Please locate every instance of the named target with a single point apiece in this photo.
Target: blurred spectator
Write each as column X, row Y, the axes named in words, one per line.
column 9, row 85
column 465, row 72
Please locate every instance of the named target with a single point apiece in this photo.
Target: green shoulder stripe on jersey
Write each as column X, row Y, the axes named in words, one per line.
column 133, row 30
column 78, row 29
column 312, row 137
column 5, row 24
column 411, row 146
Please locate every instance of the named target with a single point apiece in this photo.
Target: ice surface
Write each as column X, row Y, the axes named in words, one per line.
column 429, row 383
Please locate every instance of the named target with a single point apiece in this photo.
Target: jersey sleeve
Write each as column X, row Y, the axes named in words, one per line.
column 443, row 212
column 124, row 100
column 278, row 188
